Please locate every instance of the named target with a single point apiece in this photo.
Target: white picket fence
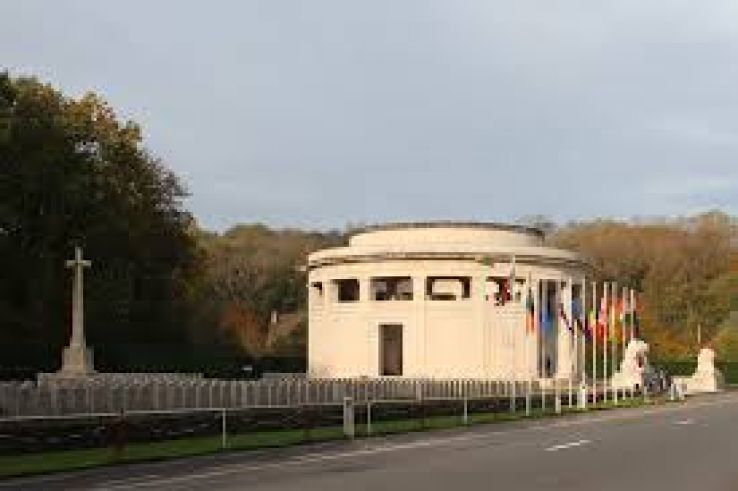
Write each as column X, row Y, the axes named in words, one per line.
column 138, row 392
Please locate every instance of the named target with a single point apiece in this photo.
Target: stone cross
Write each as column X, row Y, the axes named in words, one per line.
column 78, row 323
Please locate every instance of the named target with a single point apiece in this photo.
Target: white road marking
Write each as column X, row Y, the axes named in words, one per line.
column 564, row 446
column 155, row 481
column 684, row 422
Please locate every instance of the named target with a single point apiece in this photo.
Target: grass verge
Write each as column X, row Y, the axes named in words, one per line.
column 69, row 460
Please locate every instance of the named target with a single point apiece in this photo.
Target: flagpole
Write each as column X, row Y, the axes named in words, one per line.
column 622, row 315
column 614, row 340
column 536, row 327
column 631, row 307
column 568, row 306
column 605, row 335
column 623, row 327
column 633, row 315
column 580, row 346
column 541, row 337
column 634, row 330
column 583, row 354
column 557, row 389
column 528, row 329
column 513, row 375
column 593, row 328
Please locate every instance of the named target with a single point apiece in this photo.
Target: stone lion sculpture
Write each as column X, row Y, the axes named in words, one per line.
column 706, row 362
column 706, row 378
column 633, row 366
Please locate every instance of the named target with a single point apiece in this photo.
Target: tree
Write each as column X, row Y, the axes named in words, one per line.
column 684, row 270
column 725, row 341
column 73, row 173
column 252, row 271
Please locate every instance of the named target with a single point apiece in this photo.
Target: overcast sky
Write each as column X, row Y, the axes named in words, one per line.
column 320, row 113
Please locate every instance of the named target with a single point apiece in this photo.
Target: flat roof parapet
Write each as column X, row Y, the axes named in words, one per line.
column 495, row 226
column 450, row 233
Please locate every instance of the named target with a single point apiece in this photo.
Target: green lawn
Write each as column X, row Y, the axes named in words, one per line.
column 27, row 464
column 79, row 459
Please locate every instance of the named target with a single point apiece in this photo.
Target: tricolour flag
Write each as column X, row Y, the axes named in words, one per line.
column 602, row 324
column 530, row 312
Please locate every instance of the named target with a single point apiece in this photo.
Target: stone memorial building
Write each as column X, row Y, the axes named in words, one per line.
column 445, row 300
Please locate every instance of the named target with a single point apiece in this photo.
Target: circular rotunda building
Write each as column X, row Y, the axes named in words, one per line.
column 445, row 300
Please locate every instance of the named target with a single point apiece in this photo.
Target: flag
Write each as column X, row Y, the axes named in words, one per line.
column 592, row 327
column 565, row 318
column 576, row 308
column 547, row 319
column 619, row 320
column 548, row 322
column 628, row 314
column 582, row 326
column 636, row 318
column 530, row 316
column 577, row 312
column 602, row 324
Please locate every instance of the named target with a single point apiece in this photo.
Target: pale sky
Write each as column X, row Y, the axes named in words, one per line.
column 321, row 113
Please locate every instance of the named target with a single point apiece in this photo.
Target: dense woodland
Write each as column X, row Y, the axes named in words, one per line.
column 163, row 294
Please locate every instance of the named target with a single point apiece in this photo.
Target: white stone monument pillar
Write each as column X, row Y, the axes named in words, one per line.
column 77, row 358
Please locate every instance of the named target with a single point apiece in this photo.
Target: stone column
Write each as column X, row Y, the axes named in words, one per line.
column 371, row 368
column 420, row 332
column 482, row 320
column 330, row 294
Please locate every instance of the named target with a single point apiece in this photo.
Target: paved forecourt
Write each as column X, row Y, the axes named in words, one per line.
column 677, row 447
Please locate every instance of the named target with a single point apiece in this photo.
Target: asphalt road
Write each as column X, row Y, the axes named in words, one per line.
column 690, row 446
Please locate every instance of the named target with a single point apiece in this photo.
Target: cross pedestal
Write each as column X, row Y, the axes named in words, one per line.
column 77, row 361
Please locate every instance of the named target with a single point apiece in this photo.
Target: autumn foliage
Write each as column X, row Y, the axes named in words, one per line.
column 684, row 270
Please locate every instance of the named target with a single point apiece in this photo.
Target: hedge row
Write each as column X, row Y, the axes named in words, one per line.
column 728, row 368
